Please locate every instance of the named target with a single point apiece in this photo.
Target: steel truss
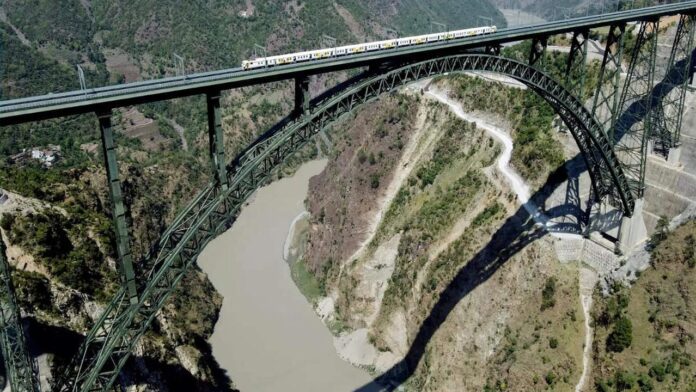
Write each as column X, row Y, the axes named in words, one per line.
column 634, row 127
column 577, row 60
column 112, row 339
column 668, row 113
column 118, row 209
column 21, row 369
column 605, row 107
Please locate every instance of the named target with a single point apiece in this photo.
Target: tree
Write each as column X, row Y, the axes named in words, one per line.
column 6, row 221
column 622, row 335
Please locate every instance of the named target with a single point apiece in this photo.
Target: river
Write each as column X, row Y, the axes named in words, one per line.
column 268, row 336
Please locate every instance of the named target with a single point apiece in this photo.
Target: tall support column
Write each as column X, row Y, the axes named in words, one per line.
column 634, row 126
column 668, row 113
column 215, row 138
column 118, row 210
column 538, row 51
column 633, row 129
column 606, row 99
column 302, row 96
column 21, row 370
column 577, row 60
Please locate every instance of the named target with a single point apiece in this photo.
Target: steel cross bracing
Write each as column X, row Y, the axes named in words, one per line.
column 21, row 369
column 576, row 63
column 633, row 128
column 118, row 330
column 668, row 112
column 605, row 107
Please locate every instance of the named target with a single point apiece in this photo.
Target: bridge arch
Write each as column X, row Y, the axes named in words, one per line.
column 608, row 178
column 110, row 342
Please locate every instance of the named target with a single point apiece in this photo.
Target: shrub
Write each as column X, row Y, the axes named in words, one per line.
column 660, row 233
column 374, row 181
column 624, row 381
column 548, row 294
column 553, row 343
column 550, row 378
column 622, row 335
column 658, row 371
column 645, row 383
column 362, row 156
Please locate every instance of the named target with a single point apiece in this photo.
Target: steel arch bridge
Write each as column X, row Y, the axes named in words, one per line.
column 615, row 167
column 106, row 349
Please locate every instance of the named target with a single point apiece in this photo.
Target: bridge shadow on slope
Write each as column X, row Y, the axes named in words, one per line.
column 63, row 344
column 517, row 232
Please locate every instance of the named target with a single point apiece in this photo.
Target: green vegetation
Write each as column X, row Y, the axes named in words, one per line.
column 74, row 259
column 622, row 335
column 536, row 152
column 548, row 295
column 33, row 291
column 305, row 281
column 644, row 334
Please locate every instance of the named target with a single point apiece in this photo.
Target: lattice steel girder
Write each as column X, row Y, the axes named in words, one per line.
column 537, row 52
column 215, row 138
column 669, row 111
column 605, row 107
column 21, row 369
column 118, row 210
column 114, row 336
column 302, row 96
column 577, row 60
column 634, row 127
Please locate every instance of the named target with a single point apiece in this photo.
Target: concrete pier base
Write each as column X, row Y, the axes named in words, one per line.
column 674, row 156
column 632, row 231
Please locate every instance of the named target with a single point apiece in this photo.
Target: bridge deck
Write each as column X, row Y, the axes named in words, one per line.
column 84, row 101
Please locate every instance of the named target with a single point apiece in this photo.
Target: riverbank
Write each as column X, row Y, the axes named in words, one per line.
column 268, row 336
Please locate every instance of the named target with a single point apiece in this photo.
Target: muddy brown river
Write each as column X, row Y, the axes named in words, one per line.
column 268, row 337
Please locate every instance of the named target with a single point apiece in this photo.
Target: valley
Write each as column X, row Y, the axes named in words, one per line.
column 440, row 237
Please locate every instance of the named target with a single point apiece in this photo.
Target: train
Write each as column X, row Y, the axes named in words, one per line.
column 318, row 54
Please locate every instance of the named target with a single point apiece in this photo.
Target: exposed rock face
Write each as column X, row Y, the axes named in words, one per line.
column 439, row 293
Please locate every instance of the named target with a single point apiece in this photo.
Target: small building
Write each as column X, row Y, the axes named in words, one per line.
column 48, row 156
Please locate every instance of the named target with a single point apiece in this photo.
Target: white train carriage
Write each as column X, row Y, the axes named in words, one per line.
column 347, row 50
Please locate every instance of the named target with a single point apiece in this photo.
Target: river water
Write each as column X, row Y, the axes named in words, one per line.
column 268, row 336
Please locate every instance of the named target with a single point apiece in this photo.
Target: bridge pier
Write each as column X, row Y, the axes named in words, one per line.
column 674, row 156
column 632, row 231
column 215, row 138
column 118, row 210
column 302, row 96
column 538, row 51
column 577, row 60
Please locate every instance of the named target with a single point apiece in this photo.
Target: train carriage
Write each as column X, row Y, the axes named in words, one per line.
column 364, row 47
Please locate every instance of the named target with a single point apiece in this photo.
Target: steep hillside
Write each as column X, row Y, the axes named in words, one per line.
column 645, row 333
column 433, row 278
